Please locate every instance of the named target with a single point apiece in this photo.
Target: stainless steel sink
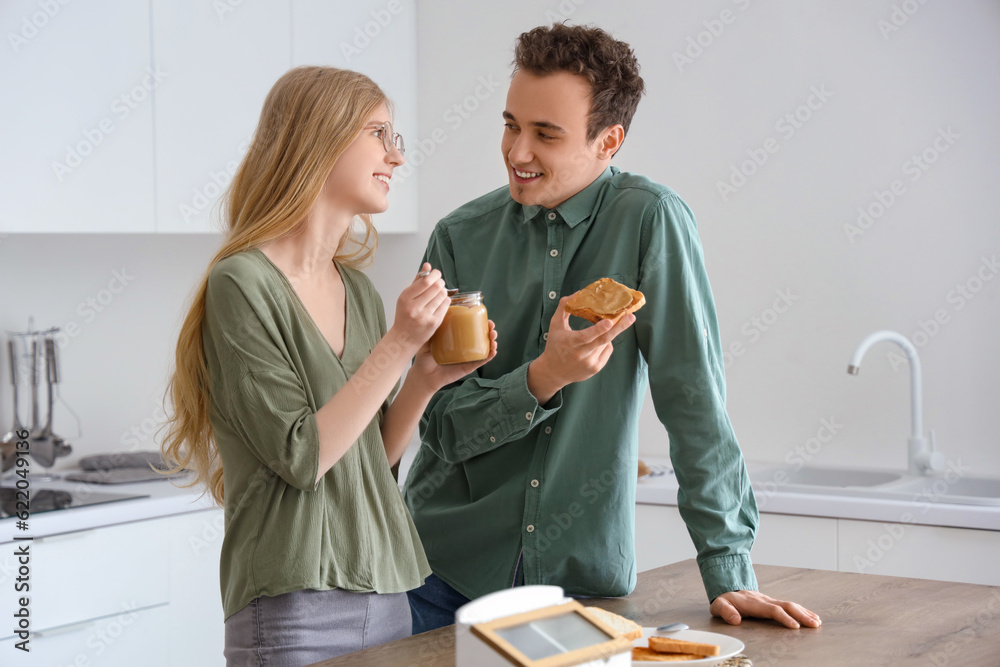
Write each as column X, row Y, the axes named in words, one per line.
column 820, row 477
column 840, row 477
column 873, row 483
column 942, row 489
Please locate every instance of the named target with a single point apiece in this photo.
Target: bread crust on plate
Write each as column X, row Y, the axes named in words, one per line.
column 586, row 302
column 668, row 645
column 630, row 629
column 641, row 653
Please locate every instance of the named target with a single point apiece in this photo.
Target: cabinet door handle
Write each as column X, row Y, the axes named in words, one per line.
column 66, row 629
column 65, row 536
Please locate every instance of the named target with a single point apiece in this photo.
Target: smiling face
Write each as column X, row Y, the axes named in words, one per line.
column 545, row 145
column 359, row 181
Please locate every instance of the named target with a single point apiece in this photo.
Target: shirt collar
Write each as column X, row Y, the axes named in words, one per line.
column 577, row 208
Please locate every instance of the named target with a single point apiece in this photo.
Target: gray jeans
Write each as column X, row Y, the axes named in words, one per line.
column 303, row 627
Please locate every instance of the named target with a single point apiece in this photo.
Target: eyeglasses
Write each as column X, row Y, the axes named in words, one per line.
column 389, row 139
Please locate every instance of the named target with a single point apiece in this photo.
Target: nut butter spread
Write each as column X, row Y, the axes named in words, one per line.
column 464, row 333
column 608, row 298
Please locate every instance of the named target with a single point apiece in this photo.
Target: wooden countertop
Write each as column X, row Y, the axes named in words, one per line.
column 868, row 620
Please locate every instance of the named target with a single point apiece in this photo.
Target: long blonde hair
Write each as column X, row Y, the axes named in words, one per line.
column 310, row 117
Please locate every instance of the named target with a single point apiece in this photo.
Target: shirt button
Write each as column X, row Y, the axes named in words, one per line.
column 492, row 439
column 527, row 415
column 552, row 215
column 530, row 529
column 553, row 253
column 534, row 483
column 552, row 295
column 545, row 336
column 548, row 430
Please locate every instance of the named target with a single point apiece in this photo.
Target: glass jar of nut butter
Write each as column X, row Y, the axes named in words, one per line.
column 464, row 334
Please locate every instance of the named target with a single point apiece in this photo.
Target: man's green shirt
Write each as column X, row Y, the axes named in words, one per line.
column 500, row 480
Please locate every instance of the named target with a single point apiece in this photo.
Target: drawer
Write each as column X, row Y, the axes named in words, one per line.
column 923, row 552
column 126, row 639
column 796, row 541
column 89, row 574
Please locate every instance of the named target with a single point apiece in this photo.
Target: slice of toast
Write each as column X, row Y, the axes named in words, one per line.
column 630, row 629
column 641, row 653
column 605, row 299
column 667, row 645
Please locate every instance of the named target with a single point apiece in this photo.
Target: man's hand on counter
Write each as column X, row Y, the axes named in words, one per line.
column 732, row 607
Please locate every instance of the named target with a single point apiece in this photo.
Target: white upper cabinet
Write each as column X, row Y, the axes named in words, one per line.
column 379, row 39
column 77, row 117
column 222, row 57
column 123, row 116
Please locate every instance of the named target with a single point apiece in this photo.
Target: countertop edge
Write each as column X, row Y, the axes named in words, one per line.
column 163, row 500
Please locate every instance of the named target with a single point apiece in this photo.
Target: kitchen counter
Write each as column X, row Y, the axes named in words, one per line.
column 164, row 499
column 867, row 620
column 662, row 490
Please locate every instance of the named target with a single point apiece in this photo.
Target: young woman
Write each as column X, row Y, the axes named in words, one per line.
column 284, row 370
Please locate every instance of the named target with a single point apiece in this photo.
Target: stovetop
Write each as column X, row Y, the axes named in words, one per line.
column 47, row 500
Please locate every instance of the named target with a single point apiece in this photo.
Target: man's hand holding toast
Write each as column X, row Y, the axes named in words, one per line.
column 573, row 356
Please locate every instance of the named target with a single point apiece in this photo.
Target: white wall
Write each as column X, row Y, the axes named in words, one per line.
column 781, row 230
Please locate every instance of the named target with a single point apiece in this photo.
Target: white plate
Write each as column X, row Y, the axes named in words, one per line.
column 728, row 646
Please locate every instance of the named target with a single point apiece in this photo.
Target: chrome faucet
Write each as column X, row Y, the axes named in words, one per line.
column 922, row 457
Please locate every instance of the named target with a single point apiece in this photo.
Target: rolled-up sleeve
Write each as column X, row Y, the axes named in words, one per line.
column 678, row 335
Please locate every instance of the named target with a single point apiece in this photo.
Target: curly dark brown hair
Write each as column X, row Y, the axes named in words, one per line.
column 608, row 65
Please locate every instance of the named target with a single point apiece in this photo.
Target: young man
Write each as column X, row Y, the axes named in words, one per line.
column 527, row 469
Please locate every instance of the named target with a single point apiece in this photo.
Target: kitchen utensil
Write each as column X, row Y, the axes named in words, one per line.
column 35, row 431
column 449, row 290
column 8, row 452
column 51, row 378
column 671, row 627
column 47, row 446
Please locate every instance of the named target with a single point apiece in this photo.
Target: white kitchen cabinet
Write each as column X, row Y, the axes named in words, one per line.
column 377, row 38
column 90, row 574
column 126, row 639
column 221, row 59
column 77, row 117
column 661, row 538
column 923, row 552
column 796, row 541
column 133, row 117
column 869, row 547
column 138, row 593
column 195, row 599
